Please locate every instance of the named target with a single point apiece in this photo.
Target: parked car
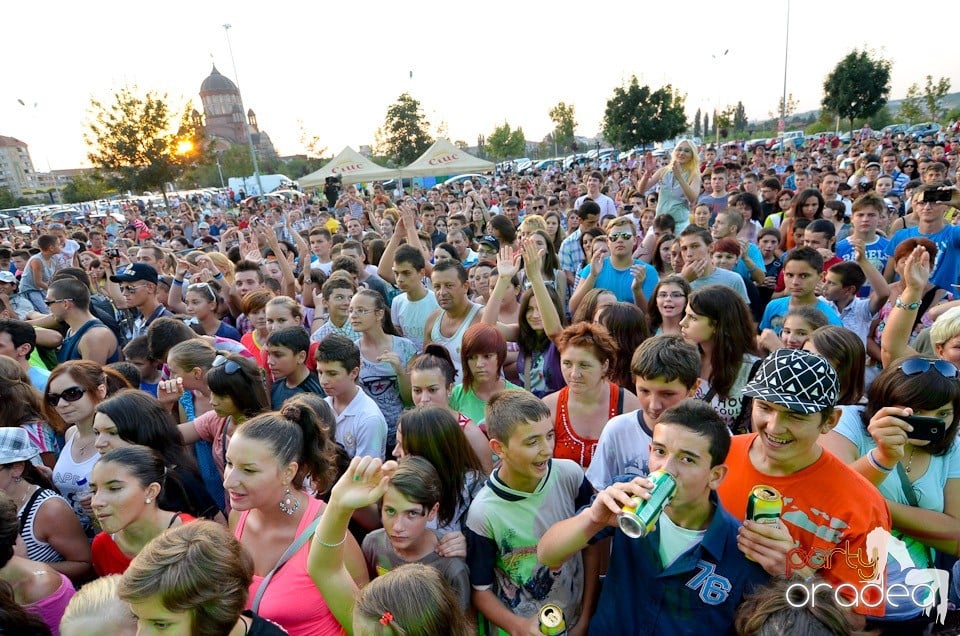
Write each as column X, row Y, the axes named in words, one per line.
column 460, row 178
column 894, row 129
column 926, row 129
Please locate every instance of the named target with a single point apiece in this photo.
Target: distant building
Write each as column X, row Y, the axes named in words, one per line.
column 16, row 168
column 222, row 118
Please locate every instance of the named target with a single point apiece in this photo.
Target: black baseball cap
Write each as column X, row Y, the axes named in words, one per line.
column 135, row 272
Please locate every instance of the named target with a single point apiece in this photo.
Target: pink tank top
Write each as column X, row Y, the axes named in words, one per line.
column 292, row 600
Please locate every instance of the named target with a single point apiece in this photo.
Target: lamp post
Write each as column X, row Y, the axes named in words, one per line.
column 783, row 104
column 219, row 170
column 246, row 123
column 718, row 58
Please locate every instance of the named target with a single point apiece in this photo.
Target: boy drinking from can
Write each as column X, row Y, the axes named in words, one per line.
column 687, row 576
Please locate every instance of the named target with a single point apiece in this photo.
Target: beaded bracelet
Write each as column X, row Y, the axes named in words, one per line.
column 316, row 538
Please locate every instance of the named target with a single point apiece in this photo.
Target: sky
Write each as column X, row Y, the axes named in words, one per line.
column 331, row 70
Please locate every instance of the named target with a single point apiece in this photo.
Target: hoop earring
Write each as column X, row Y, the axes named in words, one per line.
column 289, row 504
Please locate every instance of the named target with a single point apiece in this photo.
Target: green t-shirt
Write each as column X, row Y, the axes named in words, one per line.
column 466, row 401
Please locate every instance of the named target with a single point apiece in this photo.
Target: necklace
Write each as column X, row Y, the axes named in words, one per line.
column 913, row 451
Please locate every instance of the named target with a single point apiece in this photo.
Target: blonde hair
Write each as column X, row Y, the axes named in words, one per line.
column 223, row 264
column 533, row 223
column 692, row 167
column 945, row 327
column 97, row 606
column 193, row 354
column 621, row 220
column 285, row 301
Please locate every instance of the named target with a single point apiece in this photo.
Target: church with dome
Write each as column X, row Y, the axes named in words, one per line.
column 223, row 116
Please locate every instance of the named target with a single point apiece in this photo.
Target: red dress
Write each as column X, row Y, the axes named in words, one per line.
column 568, row 444
column 107, row 557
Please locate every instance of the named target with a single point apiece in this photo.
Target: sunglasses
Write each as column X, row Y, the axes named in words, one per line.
column 915, row 366
column 130, row 289
column 54, row 302
column 229, row 366
column 624, row 236
column 72, row 394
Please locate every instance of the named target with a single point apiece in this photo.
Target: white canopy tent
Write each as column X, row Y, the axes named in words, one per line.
column 352, row 167
column 443, row 158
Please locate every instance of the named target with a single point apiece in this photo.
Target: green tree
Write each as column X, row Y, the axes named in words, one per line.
column 86, row 188
column 136, row 143
column 858, row 86
column 636, row 116
column 790, row 110
column 564, row 122
column 911, row 107
column 404, row 135
column 740, row 118
column 706, row 125
column 7, row 200
column 696, row 124
column 933, row 94
column 504, row 142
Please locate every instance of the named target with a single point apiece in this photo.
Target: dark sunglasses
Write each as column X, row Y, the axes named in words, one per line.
column 229, row 366
column 915, row 366
column 72, row 394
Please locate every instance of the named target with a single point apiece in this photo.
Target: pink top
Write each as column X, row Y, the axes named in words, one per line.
column 292, row 600
column 210, row 427
column 51, row 609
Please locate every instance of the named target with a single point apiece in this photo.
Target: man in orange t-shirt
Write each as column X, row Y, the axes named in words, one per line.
column 828, row 509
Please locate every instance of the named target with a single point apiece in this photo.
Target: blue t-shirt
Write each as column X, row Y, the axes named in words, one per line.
column 946, row 267
column 778, row 309
column 696, row 594
column 755, row 255
column 619, row 281
column 876, row 254
column 226, row 331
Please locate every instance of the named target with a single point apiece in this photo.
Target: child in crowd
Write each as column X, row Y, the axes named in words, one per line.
column 138, row 353
column 528, row 493
column 287, row 351
column 687, row 576
column 666, row 370
column 361, row 427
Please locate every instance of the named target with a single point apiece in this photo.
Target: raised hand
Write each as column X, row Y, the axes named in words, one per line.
column 916, row 269
column 363, row 484
column 508, row 263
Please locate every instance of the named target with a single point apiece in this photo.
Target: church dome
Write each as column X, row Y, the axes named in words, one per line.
column 217, row 83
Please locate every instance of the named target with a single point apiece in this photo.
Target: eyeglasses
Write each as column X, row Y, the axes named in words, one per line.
column 360, row 312
column 206, row 286
column 48, row 302
column 915, row 366
column 130, row 289
column 671, row 295
column 620, row 236
column 229, row 366
column 72, row 394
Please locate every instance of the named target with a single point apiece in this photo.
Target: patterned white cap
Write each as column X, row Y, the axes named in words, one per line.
column 799, row 380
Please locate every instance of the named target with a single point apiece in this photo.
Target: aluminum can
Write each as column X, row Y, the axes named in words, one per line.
column 551, row 621
column 764, row 505
column 639, row 518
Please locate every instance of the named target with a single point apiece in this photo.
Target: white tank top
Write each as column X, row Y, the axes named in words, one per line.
column 66, row 475
column 454, row 342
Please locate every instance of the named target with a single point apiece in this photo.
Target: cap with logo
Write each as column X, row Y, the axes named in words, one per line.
column 798, row 380
column 135, row 272
column 490, row 241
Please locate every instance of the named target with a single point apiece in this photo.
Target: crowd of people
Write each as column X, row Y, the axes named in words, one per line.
column 422, row 411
